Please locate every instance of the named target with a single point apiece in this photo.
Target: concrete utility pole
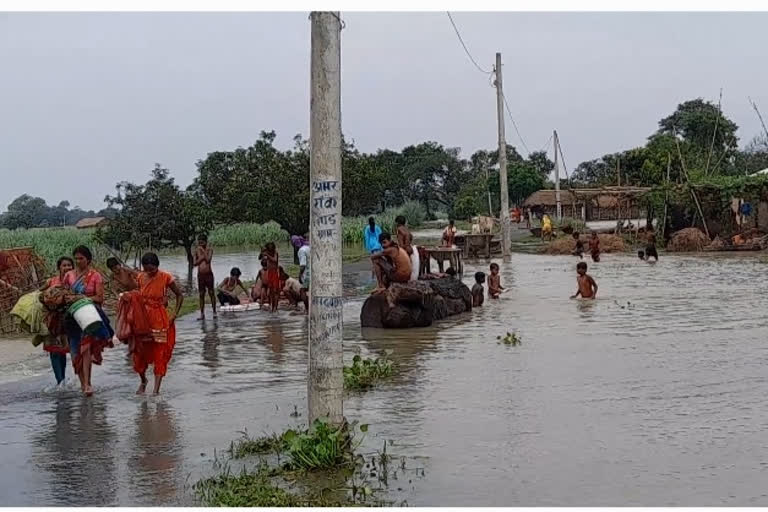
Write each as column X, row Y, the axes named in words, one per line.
column 559, row 211
column 325, row 379
column 502, row 162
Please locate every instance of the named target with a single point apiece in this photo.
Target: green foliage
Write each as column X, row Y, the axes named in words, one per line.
column 247, row 446
column 256, row 489
column 157, row 214
column 52, row 243
column 321, row 447
column 694, row 124
column 365, row 373
column 510, row 338
column 30, row 212
column 248, row 234
column 570, row 222
column 352, row 227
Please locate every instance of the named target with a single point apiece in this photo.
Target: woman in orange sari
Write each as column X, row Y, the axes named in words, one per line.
column 157, row 348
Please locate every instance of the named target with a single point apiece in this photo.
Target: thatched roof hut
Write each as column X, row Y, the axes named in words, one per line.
column 92, row 222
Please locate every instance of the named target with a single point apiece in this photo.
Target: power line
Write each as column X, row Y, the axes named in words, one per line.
column 509, row 112
column 545, row 147
column 465, row 46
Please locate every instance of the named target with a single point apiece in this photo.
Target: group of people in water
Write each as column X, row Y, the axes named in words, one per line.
column 148, row 328
column 272, row 281
column 144, row 323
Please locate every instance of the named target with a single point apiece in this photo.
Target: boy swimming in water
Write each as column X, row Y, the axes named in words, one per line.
column 587, row 287
column 478, row 293
column 494, row 282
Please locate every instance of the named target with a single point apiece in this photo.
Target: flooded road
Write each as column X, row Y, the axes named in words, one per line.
column 654, row 394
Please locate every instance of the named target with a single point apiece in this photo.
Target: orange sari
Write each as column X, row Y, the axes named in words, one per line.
column 157, row 349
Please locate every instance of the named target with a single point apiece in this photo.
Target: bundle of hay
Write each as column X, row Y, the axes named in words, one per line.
column 688, row 240
column 566, row 245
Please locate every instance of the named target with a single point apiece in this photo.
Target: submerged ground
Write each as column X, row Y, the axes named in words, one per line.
column 651, row 395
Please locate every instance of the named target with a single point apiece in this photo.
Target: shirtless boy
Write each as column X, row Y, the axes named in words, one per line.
column 494, row 282
column 391, row 265
column 124, row 277
column 587, row 287
column 228, row 288
column 579, row 250
column 594, row 247
column 205, row 281
column 478, row 294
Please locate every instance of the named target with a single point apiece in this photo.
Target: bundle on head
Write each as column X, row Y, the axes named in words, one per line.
column 566, row 245
column 688, row 240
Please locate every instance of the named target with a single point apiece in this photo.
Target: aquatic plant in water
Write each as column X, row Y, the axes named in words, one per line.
column 511, row 338
column 364, row 373
column 324, row 446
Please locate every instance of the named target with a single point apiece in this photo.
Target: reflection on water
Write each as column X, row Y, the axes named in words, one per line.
column 653, row 394
column 75, row 448
column 154, row 455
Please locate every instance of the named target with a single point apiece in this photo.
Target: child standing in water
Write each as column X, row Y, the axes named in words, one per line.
column 579, row 250
column 650, row 247
column 478, row 293
column 587, row 287
column 494, row 282
column 594, row 247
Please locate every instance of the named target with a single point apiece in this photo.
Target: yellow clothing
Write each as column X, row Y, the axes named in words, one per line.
column 546, row 224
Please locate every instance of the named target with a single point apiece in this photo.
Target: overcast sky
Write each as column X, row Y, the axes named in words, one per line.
column 87, row 100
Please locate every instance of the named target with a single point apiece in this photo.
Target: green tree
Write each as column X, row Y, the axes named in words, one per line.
column 157, row 214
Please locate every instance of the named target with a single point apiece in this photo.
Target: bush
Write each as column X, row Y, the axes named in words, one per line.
column 248, row 234
column 352, row 227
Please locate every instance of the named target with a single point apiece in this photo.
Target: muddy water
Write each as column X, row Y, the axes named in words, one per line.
column 652, row 395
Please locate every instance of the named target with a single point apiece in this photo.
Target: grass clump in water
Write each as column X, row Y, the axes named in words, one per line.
column 364, row 373
column 324, row 446
column 254, row 490
column 247, row 446
column 511, row 338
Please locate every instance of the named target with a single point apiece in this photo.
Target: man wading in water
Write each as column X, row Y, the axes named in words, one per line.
column 203, row 258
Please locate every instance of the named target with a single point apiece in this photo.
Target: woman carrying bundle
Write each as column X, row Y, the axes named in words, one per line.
column 157, row 348
column 86, row 348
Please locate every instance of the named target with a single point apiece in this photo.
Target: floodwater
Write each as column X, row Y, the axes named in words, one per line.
column 654, row 394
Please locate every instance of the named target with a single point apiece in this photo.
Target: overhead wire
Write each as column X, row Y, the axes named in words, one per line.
column 509, row 113
column 466, row 50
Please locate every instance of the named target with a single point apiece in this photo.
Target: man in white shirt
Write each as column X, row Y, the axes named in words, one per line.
column 304, row 269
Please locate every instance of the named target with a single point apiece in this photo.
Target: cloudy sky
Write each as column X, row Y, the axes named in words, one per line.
column 87, row 100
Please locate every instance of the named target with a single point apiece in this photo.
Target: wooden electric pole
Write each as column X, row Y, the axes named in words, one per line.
column 503, row 185
column 325, row 379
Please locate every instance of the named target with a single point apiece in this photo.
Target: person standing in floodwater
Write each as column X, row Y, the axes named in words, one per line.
column 272, row 274
column 449, row 234
column 86, row 349
column 405, row 240
column 157, row 348
column 371, row 234
column 594, row 247
column 205, row 279
column 56, row 343
column 587, row 287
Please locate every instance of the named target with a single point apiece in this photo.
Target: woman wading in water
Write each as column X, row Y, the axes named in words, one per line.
column 56, row 345
column 157, row 348
column 86, row 348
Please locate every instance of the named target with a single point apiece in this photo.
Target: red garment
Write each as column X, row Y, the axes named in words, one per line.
column 158, row 348
column 273, row 279
column 132, row 320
